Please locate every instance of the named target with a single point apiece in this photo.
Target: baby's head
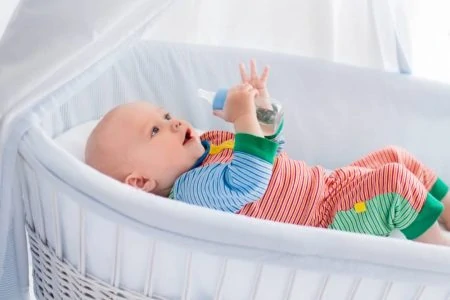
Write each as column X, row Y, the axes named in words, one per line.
column 144, row 146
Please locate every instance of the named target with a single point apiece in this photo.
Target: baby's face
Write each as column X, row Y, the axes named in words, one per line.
column 156, row 148
column 165, row 147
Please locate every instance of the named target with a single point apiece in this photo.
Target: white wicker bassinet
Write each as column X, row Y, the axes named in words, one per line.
column 92, row 238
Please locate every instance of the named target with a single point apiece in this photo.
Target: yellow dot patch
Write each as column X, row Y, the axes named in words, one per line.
column 214, row 149
column 360, row 207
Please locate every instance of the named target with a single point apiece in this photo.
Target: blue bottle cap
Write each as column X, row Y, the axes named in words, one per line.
column 219, row 99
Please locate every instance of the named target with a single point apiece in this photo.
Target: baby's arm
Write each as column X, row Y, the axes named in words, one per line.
column 230, row 186
column 258, row 82
column 263, row 99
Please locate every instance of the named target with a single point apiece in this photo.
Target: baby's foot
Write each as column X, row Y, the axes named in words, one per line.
column 444, row 223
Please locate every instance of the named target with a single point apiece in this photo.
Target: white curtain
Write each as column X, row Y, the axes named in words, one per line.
column 7, row 8
column 370, row 33
column 430, row 32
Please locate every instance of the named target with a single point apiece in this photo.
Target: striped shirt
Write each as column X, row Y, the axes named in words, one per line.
column 384, row 190
column 230, row 186
column 286, row 191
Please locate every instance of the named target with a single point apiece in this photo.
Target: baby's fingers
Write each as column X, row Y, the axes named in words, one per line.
column 253, row 93
column 253, row 73
column 219, row 114
column 244, row 76
column 265, row 74
column 244, row 87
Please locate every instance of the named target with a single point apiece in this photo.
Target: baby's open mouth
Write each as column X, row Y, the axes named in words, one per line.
column 187, row 136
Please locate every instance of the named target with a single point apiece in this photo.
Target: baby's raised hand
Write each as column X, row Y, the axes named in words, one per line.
column 258, row 82
column 240, row 103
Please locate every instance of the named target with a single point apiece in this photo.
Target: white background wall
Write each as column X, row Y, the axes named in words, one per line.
column 430, row 28
column 357, row 32
column 429, row 23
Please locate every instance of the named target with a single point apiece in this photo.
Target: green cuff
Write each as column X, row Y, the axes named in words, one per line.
column 439, row 189
column 280, row 128
column 255, row 145
column 428, row 215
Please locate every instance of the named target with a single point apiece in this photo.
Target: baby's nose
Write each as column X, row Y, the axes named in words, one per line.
column 176, row 125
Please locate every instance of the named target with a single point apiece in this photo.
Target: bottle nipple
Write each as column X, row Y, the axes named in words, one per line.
column 208, row 96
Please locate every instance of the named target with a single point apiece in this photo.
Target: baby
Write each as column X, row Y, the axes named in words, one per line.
column 248, row 172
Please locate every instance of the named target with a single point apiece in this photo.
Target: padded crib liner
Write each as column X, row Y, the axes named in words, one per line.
column 115, row 233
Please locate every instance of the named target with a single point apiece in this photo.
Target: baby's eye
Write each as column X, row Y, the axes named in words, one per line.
column 167, row 116
column 155, row 130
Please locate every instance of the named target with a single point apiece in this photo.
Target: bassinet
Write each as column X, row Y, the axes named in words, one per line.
column 92, row 238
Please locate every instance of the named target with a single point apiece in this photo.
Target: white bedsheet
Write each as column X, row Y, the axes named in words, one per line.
column 74, row 140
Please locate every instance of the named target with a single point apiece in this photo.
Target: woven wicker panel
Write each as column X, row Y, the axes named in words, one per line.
column 57, row 279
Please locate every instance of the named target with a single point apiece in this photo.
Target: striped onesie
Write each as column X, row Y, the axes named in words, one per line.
column 248, row 175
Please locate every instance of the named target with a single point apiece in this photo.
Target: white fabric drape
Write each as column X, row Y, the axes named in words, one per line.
column 7, row 8
column 368, row 33
column 430, row 33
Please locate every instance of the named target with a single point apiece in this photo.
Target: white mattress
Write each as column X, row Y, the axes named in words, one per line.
column 74, row 140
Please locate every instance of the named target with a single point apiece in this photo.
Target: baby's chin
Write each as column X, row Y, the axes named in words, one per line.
column 198, row 148
column 194, row 149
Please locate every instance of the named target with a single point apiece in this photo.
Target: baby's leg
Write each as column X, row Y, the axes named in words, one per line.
column 445, row 217
column 434, row 185
column 397, row 155
column 379, row 201
column 434, row 235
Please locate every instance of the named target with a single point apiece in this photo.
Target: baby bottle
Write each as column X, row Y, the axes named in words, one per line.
column 268, row 117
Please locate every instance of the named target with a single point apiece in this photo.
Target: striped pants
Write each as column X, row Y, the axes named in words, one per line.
column 385, row 190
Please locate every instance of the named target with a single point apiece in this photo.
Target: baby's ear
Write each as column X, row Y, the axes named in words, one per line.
column 140, row 182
